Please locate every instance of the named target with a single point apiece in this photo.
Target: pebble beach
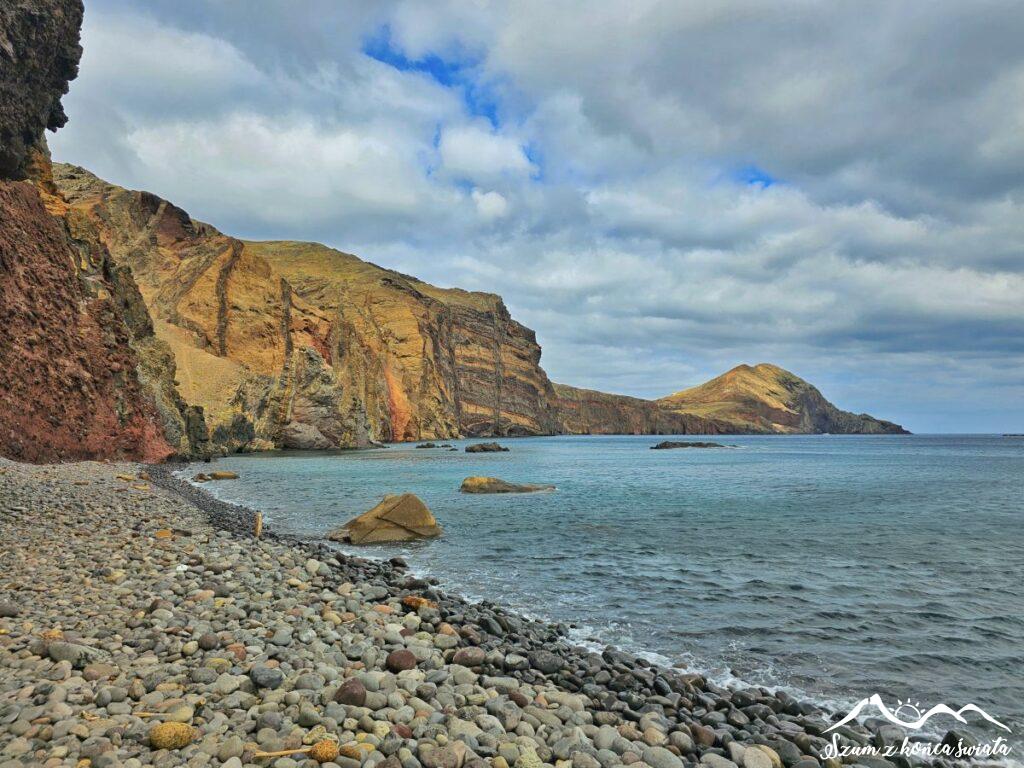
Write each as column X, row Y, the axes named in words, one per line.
column 143, row 623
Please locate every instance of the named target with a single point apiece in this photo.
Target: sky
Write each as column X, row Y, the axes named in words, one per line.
column 662, row 190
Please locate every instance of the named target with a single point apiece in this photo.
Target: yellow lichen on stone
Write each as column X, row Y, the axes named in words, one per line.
column 352, row 751
column 416, row 602
column 170, row 735
column 324, row 751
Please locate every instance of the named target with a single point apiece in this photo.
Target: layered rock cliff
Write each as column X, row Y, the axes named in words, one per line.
column 766, row 398
column 587, row 412
column 72, row 385
column 130, row 321
column 135, row 331
column 296, row 345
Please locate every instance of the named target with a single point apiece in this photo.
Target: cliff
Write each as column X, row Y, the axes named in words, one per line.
column 39, row 55
column 766, row 398
column 296, row 345
column 587, row 412
column 135, row 331
column 72, row 385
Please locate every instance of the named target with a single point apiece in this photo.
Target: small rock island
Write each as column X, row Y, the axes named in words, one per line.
column 486, row 448
column 497, row 485
column 669, row 444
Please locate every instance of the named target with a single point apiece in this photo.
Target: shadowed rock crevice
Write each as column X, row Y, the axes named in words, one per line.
column 222, row 299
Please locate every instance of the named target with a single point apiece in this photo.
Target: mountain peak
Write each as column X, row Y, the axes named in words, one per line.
column 768, row 398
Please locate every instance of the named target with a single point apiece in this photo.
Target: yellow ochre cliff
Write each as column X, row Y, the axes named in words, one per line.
column 296, row 345
column 280, row 344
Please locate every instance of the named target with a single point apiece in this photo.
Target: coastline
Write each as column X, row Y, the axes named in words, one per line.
column 260, row 644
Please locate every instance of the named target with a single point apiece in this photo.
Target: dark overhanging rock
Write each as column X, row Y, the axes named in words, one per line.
column 39, row 54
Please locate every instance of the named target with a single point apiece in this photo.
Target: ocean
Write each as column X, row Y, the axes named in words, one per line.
column 833, row 567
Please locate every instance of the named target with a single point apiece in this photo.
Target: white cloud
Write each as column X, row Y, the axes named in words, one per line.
column 887, row 261
column 490, row 205
column 477, row 153
column 289, row 170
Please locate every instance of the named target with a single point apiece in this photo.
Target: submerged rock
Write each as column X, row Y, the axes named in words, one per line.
column 396, row 518
column 674, row 444
column 427, row 445
column 497, row 485
column 223, row 475
column 485, row 448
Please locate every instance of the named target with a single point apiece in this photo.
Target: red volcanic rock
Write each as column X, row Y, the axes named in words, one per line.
column 68, row 383
column 400, row 660
column 352, row 692
column 81, row 373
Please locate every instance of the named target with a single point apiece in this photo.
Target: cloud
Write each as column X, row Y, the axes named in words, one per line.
column 287, row 171
column 661, row 190
column 490, row 205
column 477, row 153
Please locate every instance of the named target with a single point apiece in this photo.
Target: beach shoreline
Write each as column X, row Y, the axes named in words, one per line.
column 179, row 614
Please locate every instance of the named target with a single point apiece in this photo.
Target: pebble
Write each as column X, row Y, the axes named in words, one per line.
column 278, row 644
column 266, row 677
column 351, row 692
column 756, row 758
column 401, row 660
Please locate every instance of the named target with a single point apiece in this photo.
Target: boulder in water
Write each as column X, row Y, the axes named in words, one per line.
column 397, row 518
column 497, row 485
column 675, row 444
column 223, row 475
column 485, row 448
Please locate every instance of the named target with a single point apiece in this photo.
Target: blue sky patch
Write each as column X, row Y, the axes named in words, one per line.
column 755, row 177
column 459, row 72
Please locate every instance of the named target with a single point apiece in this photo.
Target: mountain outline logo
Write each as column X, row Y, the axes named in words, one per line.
column 892, row 717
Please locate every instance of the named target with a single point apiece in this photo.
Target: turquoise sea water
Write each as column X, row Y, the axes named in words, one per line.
column 832, row 566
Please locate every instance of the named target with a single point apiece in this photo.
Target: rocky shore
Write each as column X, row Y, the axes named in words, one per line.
column 130, row 599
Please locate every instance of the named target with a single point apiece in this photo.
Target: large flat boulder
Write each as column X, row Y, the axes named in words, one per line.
column 497, row 485
column 397, row 518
